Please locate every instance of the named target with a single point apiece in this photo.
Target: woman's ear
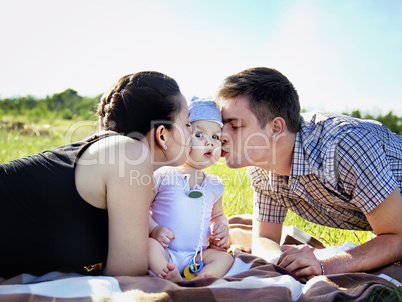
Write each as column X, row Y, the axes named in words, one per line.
column 160, row 137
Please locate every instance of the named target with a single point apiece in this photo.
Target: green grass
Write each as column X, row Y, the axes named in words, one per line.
column 34, row 138
column 237, row 197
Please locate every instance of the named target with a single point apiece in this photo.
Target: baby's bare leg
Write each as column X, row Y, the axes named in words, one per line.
column 158, row 257
column 216, row 263
column 159, row 262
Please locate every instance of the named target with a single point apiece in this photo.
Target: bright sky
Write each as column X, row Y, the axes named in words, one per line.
column 341, row 55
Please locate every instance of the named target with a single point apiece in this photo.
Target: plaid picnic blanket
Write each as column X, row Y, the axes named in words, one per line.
column 250, row 279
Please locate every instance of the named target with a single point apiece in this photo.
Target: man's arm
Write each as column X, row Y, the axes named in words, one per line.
column 382, row 250
column 266, row 238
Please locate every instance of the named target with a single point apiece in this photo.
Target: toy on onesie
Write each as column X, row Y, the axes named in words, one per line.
column 188, row 201
column 195, row 266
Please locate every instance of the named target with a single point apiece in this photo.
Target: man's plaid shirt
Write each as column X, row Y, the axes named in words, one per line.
column 342, row 169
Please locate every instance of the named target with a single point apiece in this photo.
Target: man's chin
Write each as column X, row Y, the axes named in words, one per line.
column 229, row 161
column 232, row 164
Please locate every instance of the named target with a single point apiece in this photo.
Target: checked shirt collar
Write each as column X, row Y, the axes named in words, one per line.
column 311, row 157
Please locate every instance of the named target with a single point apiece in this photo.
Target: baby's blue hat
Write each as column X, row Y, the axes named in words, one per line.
column 204, row 109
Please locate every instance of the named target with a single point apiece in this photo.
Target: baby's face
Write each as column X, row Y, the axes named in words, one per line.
column 206, row 144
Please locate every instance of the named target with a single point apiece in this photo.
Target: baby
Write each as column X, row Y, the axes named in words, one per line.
column 187, row 212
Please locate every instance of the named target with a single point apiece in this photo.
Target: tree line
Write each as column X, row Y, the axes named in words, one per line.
column 69, row 104
column 390, row 120
column 65, row 105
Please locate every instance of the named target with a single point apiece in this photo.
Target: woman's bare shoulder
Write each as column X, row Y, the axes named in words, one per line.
column 118, row 147
column 113, row 156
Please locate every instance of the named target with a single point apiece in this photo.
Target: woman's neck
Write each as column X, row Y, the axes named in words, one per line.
column 157, row 156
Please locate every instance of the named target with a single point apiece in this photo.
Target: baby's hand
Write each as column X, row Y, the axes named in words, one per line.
column 163, row 235
column 220, row 235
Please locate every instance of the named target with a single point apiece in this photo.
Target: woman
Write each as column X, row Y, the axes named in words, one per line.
column 88, row 202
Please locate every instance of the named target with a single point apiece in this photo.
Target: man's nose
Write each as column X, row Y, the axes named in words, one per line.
column 224, row 138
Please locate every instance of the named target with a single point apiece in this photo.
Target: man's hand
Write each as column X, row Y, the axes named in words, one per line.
column 219, row 235
column 163, row 235
column 301, row 261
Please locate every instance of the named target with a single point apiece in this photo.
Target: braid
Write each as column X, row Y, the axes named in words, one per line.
column 104, row 112
column 109, row 100
column 136, row 100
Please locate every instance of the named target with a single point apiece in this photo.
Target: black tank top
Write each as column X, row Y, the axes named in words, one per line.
column 45, row 225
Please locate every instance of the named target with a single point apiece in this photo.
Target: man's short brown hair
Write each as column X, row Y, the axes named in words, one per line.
column 269, row 92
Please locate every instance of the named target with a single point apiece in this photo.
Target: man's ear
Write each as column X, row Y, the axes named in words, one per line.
column 160, row 136
column 279, row 128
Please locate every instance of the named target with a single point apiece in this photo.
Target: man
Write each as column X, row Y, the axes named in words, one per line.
column 330, row 169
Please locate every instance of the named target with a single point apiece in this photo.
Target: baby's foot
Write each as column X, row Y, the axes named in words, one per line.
column 171, row 273
column 204, row 275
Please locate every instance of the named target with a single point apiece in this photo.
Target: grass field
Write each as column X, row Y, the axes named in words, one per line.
column 237, row 198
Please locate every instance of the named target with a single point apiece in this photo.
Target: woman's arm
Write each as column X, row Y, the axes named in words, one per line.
column 152, row 224
column 128, row 198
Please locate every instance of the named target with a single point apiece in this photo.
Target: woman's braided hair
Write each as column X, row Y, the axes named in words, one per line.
column 138, row 103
